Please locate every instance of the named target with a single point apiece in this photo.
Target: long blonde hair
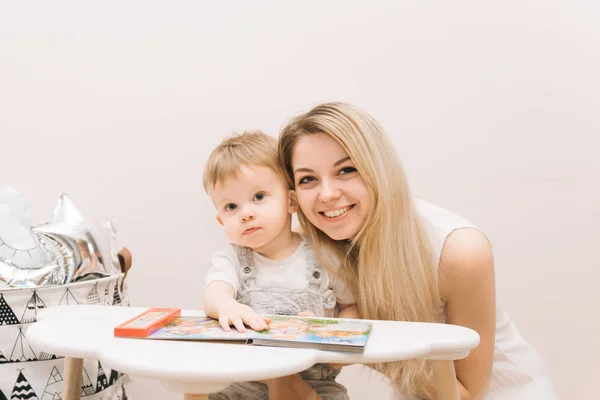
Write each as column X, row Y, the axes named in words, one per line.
column 388, row 265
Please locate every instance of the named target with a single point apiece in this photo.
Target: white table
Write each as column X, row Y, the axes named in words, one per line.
column 196, row 368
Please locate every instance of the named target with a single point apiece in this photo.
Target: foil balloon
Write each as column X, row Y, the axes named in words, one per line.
column 24, row 259
column 13, row 276
column 19, row 246
column 86, row 248
column 68, row 248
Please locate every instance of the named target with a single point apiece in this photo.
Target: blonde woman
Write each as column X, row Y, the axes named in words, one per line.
column 402, row 259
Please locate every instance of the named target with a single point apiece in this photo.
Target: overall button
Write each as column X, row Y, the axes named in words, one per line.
column 316, row 274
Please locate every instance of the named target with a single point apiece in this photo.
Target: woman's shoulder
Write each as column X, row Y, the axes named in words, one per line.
column 466, row 264
column 440, row 218
column 461, row 249
column 466, row 247
column 439, row 224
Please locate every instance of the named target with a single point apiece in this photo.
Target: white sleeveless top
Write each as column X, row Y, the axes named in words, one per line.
column 518, row 372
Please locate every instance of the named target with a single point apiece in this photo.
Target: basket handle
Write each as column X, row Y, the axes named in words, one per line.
column 125, row 260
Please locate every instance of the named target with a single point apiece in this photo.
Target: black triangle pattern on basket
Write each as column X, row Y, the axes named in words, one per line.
column 116, row 296
column 31, row 309
column 93, row 297
column 22, row 351
column 7, row 316
column 67, row 299
column 102, row 382
column 17, row 352
column 87, row 388
column 124, row 393
column 54, row 385
column 22, row 389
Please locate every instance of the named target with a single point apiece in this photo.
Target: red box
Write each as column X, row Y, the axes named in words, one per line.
column 148, row 322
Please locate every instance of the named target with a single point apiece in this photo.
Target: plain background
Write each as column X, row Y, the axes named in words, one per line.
column 493, row 107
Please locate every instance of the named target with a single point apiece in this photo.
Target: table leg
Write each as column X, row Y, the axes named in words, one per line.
column 445, row 380
column 73, row 372
column 195, row 397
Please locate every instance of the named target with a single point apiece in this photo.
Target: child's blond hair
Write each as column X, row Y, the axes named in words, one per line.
column 251, row 148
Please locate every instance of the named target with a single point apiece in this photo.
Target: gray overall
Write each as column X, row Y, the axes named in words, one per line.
column 317, row 298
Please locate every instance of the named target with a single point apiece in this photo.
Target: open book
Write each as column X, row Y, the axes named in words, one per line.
column 284, row 331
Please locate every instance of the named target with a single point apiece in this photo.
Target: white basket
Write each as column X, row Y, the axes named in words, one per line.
column 28, row 373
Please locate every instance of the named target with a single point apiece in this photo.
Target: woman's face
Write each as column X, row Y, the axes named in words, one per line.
column 331, row 192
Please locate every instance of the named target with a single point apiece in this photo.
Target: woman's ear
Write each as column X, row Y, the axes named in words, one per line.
column 293, row 206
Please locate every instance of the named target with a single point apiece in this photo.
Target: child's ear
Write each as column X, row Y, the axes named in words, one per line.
column 219, row 220
column 293, row 206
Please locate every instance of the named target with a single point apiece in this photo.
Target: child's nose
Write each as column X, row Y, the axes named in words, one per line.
column 248, row 217
column 247, row 214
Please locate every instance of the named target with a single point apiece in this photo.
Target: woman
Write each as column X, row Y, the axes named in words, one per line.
column 403, row 260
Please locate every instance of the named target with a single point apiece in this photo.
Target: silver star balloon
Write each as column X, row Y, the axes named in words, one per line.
column 66, row 249
column 87, row 245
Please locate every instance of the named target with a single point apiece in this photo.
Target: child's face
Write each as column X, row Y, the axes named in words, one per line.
column 254, row 207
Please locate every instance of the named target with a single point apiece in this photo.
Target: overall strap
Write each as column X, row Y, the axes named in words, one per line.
column 247, row 270
column 318, row 279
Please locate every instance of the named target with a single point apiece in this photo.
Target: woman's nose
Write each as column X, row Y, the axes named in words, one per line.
column 329, row 192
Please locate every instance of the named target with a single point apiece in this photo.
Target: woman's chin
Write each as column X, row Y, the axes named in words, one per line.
column 336, row 230
column 341, row 233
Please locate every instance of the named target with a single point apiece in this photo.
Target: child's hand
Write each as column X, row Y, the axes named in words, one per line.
column 236, row 314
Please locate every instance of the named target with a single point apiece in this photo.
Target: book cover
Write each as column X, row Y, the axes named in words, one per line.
column 146, row 323
column 284, row 331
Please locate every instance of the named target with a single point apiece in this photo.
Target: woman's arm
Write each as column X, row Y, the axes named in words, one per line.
column 348, row 311
column 467, row 287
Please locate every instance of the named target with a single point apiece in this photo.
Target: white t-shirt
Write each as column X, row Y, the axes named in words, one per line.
column 288, row 273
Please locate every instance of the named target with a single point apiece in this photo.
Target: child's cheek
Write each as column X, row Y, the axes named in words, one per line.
column 230, row 226
column 268, row 213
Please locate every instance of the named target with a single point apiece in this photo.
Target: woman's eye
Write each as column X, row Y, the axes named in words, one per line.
column 347, row 170
column 306, row 179
column 259, row 196
column 230, row 207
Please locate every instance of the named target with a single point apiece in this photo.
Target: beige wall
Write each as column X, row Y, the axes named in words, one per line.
column 493, row 108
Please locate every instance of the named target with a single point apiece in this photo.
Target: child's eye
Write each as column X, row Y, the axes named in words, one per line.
column 306, row 179
column 230, row 207
column 260, row 196
column 347, row 170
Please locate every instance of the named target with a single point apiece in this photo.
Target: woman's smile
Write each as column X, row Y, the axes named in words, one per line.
column 337, row 213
